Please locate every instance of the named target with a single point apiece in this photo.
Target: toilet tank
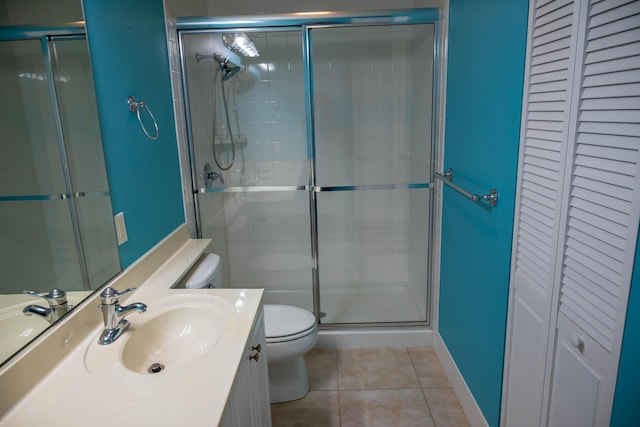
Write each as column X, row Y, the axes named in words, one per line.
column 206, row 274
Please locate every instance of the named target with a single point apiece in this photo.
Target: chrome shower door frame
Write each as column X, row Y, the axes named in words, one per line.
column 306, row 23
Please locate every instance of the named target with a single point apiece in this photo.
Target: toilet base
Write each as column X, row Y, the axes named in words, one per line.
column 288, row 380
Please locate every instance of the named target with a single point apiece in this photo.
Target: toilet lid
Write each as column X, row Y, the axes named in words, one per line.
column 286, row 320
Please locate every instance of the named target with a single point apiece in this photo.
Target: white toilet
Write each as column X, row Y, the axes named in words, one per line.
column 290, row 333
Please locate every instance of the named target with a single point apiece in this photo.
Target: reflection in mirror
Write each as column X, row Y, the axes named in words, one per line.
column 56, row 224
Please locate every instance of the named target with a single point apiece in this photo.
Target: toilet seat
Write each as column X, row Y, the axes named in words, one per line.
column 287, row 323
column 293, row 337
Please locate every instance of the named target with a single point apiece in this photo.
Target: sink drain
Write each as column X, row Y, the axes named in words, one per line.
column 155, row 368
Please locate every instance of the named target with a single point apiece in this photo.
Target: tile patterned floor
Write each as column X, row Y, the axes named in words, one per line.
column 371, row 387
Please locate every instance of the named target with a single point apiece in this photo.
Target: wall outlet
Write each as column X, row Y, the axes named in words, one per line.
column 121, row 228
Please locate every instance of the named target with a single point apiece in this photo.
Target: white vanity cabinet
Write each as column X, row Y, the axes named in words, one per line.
column 249, row 403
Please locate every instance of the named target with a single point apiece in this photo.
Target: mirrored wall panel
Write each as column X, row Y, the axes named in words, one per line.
column 56, row 223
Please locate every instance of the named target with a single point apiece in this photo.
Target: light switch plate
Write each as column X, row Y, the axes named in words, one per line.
column 121, row 228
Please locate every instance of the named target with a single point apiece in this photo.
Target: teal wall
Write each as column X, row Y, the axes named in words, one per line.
column 626, row 405
column 486, row 55
column 127, row 42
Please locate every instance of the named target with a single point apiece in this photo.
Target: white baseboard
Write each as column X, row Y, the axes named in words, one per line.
column 460, row 388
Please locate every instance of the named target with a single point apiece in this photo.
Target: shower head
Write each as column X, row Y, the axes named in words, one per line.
column 230, row 71
column 227, row 67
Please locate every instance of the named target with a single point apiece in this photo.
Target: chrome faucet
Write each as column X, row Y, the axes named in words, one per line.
column 113, row 314
column 58, row 306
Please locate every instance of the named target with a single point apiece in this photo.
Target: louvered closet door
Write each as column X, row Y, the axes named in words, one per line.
column 542, row 158
column 603, row 215
column 577, row 212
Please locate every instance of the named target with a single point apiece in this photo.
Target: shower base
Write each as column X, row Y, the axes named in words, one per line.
column 353, row 303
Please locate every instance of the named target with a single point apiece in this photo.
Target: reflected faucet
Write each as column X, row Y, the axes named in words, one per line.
column 113, row 314
column 58, row 306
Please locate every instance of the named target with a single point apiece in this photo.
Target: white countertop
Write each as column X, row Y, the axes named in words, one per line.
column 195, row 394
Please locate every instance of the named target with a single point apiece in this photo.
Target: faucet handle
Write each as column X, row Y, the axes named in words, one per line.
column 110, row 295
column 54, row 297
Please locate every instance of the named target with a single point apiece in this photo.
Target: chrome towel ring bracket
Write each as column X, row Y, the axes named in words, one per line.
column 135, row 107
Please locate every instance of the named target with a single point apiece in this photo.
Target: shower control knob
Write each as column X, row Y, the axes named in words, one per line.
column 254, row 357
column 257, row 348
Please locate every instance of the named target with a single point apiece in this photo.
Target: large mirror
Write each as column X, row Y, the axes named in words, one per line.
column 56, row 223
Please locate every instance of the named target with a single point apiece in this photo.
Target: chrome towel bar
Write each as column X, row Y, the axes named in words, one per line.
column 447, row 178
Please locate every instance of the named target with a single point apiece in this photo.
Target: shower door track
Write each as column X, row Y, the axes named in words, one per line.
column 305, row 22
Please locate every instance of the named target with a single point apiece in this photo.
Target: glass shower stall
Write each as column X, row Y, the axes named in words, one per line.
column 311, row 156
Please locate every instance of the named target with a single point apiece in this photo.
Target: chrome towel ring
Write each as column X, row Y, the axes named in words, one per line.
column 135, row 107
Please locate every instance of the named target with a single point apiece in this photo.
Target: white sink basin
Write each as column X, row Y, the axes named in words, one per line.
column 175, row 332
column 173, row 338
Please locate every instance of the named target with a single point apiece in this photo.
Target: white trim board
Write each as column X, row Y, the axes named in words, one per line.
column 460, row 388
